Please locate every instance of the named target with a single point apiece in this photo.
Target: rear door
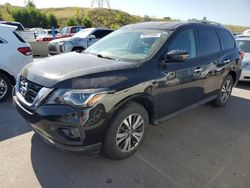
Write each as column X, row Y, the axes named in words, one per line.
column 212, row 61
column 180, row 86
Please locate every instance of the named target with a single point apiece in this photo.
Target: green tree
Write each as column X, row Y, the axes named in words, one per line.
column 70, row 21
column 52, row 20
column 30, row 17
column 30, row 3
column 86, row 22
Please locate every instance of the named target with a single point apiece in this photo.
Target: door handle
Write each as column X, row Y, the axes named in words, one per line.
column 227, row 61
column 198, row 69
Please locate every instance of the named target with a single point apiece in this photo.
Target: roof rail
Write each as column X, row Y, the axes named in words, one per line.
column 204, row 21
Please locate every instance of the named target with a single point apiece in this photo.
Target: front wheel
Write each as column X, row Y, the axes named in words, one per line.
column 126, row 131
column 225, row 92
column 5, row 87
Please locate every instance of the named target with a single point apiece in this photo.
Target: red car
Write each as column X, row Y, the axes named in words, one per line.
column 69, row 31
column 65, row 32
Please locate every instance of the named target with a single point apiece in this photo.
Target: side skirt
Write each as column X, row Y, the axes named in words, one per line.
column 186, row 109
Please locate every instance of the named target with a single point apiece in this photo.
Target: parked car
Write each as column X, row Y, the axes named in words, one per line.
column 27, row 35
column 244, row 44
column 46, row 35
column 13, row 60
column 69, row 31
column 78, row 42
column 138, row 75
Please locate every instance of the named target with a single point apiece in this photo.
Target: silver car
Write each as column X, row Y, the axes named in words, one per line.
column 79, row 42
column 244, row 44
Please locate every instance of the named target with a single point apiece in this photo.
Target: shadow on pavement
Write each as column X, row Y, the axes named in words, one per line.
column 207, row 146
column 243, row 85
column 11, row 123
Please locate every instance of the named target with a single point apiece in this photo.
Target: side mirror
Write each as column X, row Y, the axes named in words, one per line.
column 91, row 37
column 176, row 56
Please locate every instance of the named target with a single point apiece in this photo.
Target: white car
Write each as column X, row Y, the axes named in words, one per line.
column 79, row 42
column 27, row 35
column 15, row 53
column 244, row 44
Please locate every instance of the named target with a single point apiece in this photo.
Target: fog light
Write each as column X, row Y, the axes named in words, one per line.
column 71, row 132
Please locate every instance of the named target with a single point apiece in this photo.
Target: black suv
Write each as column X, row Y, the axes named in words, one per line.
column 141, row 74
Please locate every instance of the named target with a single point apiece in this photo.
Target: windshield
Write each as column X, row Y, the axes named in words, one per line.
column 130, row 45
column 244, row 45
column 83, row 33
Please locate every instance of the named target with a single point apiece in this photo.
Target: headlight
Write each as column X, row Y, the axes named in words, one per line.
column 77, row 97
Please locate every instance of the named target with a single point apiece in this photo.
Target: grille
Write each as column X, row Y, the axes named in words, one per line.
column 52, row 48
column 247, row 77
column 28, row 89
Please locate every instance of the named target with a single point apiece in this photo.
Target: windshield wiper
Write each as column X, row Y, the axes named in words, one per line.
column 107, row 57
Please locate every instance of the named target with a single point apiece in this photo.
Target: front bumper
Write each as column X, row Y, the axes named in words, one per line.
column 84, row 133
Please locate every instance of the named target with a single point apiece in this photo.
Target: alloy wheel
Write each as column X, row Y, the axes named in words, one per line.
column 3, row 88
column 130, row 132
column 226, row 91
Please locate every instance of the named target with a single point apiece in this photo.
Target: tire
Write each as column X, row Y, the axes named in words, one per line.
column 5, row 87
column 114, row 147
column 224, row 93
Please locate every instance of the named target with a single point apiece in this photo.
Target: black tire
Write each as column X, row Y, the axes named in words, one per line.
column 78, row 49
column 224, row 93
column 5, row 82
column 111, row 148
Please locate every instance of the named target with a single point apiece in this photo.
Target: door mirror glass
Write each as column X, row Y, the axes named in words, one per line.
column 176, row 56
column 91, row 37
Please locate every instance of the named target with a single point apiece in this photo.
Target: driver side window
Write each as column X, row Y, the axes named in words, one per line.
column 185, row 41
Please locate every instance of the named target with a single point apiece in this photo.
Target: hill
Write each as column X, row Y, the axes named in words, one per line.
column 95, row 17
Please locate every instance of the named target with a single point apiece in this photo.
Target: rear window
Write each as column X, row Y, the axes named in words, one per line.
column 244, row 45
column 76, row 29
column 227, row 39
column 19, row 26
column 209, row 41
column 19, row 37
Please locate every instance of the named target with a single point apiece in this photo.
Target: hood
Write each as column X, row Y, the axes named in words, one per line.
column 52, row 70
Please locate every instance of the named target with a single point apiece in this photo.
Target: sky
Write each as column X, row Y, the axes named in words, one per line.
column 234, row 12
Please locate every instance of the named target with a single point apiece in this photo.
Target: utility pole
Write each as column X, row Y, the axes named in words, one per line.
column 100, row 3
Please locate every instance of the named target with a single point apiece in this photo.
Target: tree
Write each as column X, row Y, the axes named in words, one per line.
column 146, row 18
column 71, row 21
column 30, row 3
column 1, row 18
column 86, row 22
column 52, row 21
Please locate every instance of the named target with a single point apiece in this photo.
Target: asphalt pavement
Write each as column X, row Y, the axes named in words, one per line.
column 206, row 147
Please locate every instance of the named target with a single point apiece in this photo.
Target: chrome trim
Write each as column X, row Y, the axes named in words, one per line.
column 41, row 95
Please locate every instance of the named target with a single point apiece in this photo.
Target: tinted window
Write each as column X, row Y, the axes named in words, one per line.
column 76, row 29
column 19, row 26
column 209, row 41
column 1, row 41
column 185, row 41
column 227, row 39
column 244, row 45
column 101, row 33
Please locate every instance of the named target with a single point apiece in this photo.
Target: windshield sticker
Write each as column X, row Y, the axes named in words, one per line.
column 151, row 35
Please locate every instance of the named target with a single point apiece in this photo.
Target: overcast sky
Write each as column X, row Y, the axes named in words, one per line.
column 235, row 12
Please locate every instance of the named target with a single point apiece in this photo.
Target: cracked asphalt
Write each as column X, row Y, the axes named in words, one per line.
column 204, row 148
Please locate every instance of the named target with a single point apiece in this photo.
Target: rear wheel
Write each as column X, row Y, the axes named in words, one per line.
column 225, row 92
column 5, row 87
column 126, row 131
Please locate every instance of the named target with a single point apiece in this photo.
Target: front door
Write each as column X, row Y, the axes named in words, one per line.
column 180, row 84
